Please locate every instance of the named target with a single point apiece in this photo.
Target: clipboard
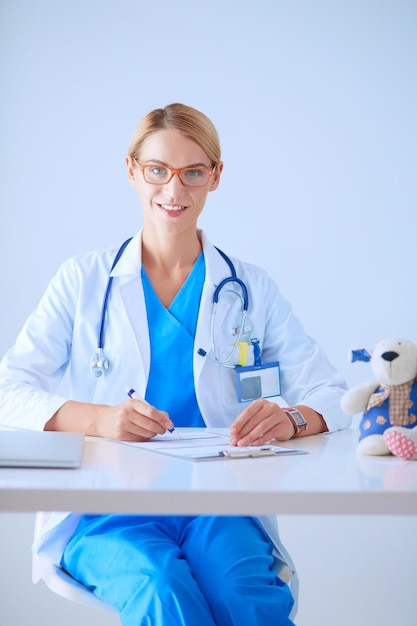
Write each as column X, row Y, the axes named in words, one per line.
column 233, row 453
column 203, row 445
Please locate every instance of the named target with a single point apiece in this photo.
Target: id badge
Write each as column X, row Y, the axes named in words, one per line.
column 258, row 381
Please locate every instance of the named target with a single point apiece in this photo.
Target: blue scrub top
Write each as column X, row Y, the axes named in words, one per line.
column 172, row 332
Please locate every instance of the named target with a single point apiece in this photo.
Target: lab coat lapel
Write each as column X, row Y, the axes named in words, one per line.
column 216, row 270
column 128, row 282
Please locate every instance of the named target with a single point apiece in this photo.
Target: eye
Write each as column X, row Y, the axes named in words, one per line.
column 195, row 173
column 155, row 170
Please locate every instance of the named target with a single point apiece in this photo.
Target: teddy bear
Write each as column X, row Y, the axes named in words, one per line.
column 389, row 404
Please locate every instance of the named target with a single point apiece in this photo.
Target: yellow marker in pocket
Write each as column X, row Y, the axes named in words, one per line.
column 243, row 353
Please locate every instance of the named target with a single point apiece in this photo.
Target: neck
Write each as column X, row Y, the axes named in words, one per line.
column 168, row 262
column 171, row 253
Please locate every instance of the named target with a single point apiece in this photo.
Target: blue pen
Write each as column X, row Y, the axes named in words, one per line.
column 135, row 396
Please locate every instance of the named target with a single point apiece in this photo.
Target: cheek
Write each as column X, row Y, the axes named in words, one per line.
column 200, row 199
column 145, row 194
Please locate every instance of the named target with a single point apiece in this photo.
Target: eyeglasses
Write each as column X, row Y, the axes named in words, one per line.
column 189, row 176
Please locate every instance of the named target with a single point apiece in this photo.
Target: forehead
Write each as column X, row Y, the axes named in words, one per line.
column 173, row 148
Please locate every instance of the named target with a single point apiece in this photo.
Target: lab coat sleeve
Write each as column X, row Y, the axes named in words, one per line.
column 307, row 376
column 31, row 371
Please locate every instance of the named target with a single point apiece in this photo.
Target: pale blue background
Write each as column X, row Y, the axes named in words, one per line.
column 319, row 96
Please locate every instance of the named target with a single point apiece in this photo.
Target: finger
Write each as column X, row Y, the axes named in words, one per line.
column 281, row 431
column 258, row 435
column 272, row 433
column 253, row 426
column 137, row 420
column 268, row 423
column 160, row 418
column 145, row 428
column 244, row 423
column 126, row 430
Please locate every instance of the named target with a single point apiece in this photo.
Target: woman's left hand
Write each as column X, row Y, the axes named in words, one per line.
column 260, row 422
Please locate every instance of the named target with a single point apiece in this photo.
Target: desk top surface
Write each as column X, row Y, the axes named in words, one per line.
column 330, row 479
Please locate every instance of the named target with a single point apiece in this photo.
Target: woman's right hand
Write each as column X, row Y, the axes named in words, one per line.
column 132, row 420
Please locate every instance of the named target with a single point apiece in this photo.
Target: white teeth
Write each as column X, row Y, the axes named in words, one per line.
column 173, row 207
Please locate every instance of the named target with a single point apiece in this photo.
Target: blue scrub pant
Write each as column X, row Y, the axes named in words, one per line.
column 188, row 571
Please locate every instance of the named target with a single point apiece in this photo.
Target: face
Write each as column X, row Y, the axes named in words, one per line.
column 172, row 207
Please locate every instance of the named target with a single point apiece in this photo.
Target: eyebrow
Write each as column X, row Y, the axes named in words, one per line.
column 157, row 162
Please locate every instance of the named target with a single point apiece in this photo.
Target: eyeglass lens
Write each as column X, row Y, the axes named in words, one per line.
column 192, row 177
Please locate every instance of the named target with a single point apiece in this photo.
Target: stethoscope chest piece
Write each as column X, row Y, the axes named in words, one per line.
column 99, row 364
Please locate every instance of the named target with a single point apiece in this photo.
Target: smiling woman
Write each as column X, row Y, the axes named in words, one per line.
column 188, row 364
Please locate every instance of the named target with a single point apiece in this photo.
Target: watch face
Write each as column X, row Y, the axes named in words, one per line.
column 299, row 419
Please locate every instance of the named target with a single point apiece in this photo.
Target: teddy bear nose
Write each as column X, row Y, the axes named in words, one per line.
column 390, row 355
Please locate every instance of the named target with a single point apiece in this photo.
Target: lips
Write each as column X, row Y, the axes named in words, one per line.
column 173, row 208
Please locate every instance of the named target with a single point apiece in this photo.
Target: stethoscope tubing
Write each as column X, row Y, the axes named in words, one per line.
column 231, row 279
column 100, row 344
column 99, row 363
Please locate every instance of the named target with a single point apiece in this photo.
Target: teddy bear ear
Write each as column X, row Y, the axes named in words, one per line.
column 359, row 354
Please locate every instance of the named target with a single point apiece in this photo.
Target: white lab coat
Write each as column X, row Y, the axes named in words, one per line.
column 63, row 331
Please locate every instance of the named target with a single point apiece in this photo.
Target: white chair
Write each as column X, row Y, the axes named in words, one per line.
column 59, row 581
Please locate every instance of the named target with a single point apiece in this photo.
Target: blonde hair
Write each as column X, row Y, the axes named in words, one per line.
column 184, row 119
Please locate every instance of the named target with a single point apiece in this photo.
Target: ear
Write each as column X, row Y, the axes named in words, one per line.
column 215, row 178
column 130, row 167
column 360, row 354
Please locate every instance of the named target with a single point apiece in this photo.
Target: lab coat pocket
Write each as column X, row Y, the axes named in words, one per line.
column 239, row 353
column 227, row 384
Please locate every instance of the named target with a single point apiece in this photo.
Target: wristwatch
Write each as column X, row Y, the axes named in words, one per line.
column 297, row 419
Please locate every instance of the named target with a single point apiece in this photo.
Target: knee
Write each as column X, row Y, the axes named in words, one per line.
column 166, row 598
column 163, row 583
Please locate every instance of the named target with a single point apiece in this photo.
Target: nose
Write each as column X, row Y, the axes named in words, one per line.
column 390, row 355
column 175, row 181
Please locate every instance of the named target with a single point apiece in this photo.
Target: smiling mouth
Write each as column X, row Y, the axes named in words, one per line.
column 173, row 208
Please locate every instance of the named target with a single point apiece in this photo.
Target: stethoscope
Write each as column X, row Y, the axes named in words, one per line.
column 245, row 304
column 99, row 363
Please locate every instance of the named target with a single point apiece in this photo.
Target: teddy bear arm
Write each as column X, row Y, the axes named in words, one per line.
column 355, row 400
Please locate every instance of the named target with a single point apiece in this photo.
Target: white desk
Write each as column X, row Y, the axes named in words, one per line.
column 330, row 479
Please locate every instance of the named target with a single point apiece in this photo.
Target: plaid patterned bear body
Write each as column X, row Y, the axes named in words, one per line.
column 390, row 406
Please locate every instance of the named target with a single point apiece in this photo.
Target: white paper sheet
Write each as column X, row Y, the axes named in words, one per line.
column 204, row 445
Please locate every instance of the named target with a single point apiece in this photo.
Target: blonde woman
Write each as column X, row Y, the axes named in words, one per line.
column 157, row 335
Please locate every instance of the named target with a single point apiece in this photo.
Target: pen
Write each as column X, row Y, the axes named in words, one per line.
column 247, row 453
column 256, row 351
column 135, row 396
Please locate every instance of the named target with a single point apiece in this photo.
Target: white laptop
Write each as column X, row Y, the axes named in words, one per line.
column 29, row 448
